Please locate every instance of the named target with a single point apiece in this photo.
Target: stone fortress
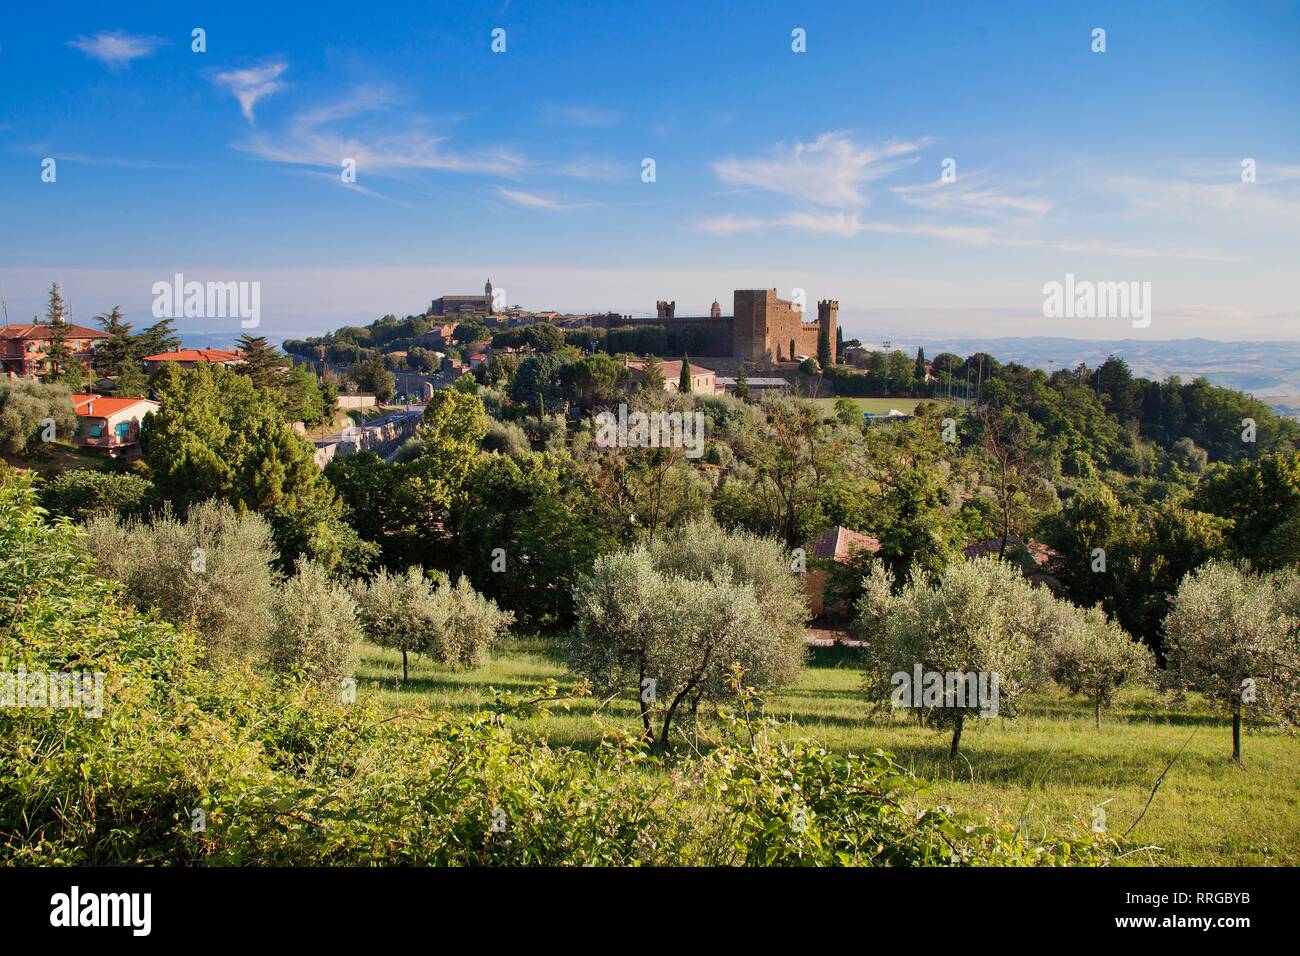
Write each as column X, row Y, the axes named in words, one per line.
column 759, row 330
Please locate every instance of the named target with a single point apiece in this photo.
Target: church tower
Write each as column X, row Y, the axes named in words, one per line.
column 487, row 291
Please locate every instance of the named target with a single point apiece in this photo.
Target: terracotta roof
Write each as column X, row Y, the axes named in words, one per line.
column 839, row 544
column 1040, row 552
column 197, row 355
column 41, row 330
column 103, row 405
column 672, row 371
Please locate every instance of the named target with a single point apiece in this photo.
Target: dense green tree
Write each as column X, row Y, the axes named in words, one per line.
column 157, row 338
column 597, row 378
column 652, row 375
column 1262, row 498
column 119, row 350
column 263, row 362
column 527, row 528
column 217, row 436
column 373, row 378
column 825, row 349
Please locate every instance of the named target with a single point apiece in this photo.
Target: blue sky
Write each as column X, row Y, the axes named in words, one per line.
column 818, row 170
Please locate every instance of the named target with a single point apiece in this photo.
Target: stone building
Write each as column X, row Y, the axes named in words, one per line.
column 760, row 329
column 452, row 306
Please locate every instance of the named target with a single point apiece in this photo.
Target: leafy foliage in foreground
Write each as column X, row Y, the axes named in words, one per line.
column 286, row 774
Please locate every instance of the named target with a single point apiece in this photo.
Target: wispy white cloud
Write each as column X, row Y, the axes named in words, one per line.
column 252, row 84
column 379, row 143
column 534, row 201
column 968, row 194
column 338, row 180
column 829, row 171
column 594, row 170
column 116, row 49
column 592, row 117
column 842, row 224
column 1272, row 197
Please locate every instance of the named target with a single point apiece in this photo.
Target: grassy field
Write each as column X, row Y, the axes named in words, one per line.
column 1050, row 766
column 875, row 405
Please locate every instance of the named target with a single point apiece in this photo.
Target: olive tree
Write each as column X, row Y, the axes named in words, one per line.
column 397, row 611
column 212, row 571
column 677, row 621
column 701, row 550
column 411, row 613
column 316, row 628
column 1235, row 637
column 1096, row 657
column 969, row 643
column 34, row 413
column 672, row 640
column 466, row 625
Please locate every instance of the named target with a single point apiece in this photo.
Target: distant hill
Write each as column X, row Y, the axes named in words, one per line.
column 1268, row 371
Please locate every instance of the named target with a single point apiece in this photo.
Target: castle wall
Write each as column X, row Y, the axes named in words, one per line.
column 759, row 330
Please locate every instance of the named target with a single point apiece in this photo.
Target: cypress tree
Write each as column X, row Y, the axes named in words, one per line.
column 684, row 381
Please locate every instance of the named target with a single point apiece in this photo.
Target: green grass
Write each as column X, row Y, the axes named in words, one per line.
column 1050, row 765
column 59, row 456
column 875, row 405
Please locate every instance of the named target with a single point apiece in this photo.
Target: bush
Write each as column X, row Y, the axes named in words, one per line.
column 212, row 572
column 507, row 438
column 316, row 628
column 80, row 494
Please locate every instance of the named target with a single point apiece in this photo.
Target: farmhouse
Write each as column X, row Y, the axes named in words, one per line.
column 23, row 347
column 833, row 546
column 112, row 424
column 188, row 358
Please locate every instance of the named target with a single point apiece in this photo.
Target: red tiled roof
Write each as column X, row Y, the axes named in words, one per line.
column 103, row 405
column 839, row 544
column 197, row 355
column 672, row 371
column 41, row 330
column 1040, row 552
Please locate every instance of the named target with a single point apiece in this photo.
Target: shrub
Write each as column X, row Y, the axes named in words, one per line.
column 316, row 628
column 507, row 438
column 212, row 571
column 1235, row 637
column 80, row 494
